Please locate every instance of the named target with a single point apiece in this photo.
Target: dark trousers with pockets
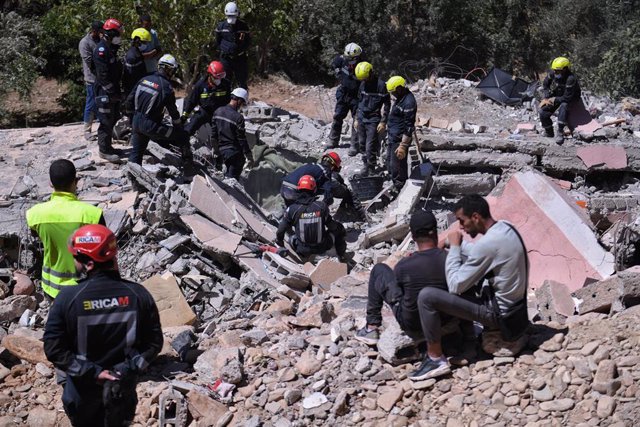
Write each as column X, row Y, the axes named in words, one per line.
column 344, row 105
column 234, row 161
column 434, row 302
column 145, row 129
column 547, row 111
column 369, row 143
column 108, row 113
column 397, row 168
column 238, row 67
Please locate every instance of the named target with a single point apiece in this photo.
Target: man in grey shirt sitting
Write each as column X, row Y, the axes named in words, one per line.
column 500, row 257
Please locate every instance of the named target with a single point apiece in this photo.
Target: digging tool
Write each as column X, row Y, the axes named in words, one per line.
column 257, row 249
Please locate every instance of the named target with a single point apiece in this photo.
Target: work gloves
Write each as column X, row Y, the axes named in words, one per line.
column 548, row 102
column 381, row 127
column 401, row 151
column 356, row 124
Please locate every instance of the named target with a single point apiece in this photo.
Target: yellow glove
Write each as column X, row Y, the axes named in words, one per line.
column 381, row 127
column 548, row 101
column 401, row 152
column 356, row 124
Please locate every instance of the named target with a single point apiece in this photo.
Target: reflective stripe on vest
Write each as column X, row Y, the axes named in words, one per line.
column 55, row 221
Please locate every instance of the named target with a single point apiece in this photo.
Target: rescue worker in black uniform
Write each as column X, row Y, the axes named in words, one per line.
column 560, row 89
column 210, row 93
column 312, row 224
column 149, row 98
column 134, row 68
column 347, row 94
column 101, row 334
column 329, row 183
column 233, row 39
column 401, row 124
column 108, row 70
column 374, row 103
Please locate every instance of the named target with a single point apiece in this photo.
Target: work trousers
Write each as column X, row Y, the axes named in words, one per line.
column 85, row 406
column 397, row 168
column 108, row 114
column 433, row 303
column 145, row 129
column 344, row 105
column 234, row 161
column 238, row 67
column 305, row 250
column 89, row 104
column 197, row 120
column 369, row 143
column 547, row 111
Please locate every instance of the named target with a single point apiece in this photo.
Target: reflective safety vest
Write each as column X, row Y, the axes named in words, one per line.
column 55, row 221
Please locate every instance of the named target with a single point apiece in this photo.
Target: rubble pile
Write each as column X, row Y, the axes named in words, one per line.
column 256, row 339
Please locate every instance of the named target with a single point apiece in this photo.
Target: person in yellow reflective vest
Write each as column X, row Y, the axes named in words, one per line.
column 54, row 221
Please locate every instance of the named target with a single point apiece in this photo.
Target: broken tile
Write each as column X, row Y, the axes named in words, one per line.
column 172, row 305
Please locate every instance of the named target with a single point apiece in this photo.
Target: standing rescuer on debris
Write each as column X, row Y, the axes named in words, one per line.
column 101, row 334
column 134, row 68
column 233, row 39
column 54, row 221
column 107, row 88
column 228, row 135
column 374, row 103
column 210, row 93
column 312, row 224
column 496, row 265
column 154, row 51
column 344, row 67
column 148, row 99
column 86, row 47
column 400, row 287
column 402, row 121
column 559, row 89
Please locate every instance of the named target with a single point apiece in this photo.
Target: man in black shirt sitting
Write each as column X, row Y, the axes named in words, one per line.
column 400, row 287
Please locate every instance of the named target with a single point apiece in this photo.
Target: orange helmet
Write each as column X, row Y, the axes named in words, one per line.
column 112, row 24
column 307, row 182
column 333, row 159
column 95, row 241
column 216, row 69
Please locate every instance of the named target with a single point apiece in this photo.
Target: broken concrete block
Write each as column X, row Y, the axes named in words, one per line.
column 210, row 363
column 212, row 236
column 24, row 285
column 210, row 203
column 612, row 157
column 12, row 307
column 172, row 305
column 393, row 229
column 205, row 410
column 314, row 316
column 395, row 346
column 555, row 302
column 481, row 159
column 408, row 198
column 605, row 381
column 613, row 294
column 525, row 127
column 289, row 273
column 438, row 123
column 26, row 348
column 326, row 272
column 568, row 250
column 476, row 129
column 474, row 183
column 457, row 126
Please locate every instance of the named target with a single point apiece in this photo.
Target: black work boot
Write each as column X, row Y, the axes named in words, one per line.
column 548, row 132
column 334, row 136
column 353, row 149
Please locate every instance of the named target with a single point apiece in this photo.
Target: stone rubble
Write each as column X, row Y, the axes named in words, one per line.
column 263, row 340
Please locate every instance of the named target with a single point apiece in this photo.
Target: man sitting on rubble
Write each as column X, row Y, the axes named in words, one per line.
column 329, row 183
column 496, row 265
column 400, row 287
column 55, row 220
column 559, row 89
column 312, row 224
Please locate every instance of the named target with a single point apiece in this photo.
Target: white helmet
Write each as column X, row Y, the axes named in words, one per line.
column 168, row 61
column 231, row 9
column 241, row 93
column 352, row 50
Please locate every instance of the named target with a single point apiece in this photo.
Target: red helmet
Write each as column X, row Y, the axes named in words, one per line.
column 95, row 241
column 333, row 159
column 112, row 24
column 216, row 69
column 307, row 182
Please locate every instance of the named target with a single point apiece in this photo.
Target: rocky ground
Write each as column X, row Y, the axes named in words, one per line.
column 262, row 340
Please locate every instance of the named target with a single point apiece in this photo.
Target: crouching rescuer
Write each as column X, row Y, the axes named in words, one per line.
column 101, row 334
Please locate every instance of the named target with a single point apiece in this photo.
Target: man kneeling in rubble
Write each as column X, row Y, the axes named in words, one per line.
column 312, row 224
column 497, row 264
column 400, row 287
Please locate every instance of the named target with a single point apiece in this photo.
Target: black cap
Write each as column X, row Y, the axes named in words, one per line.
column 423, row 221
column 97, row 25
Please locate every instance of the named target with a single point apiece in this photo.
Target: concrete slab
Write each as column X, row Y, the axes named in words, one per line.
column 326, row 272
column 212, row 236
column 558, row 234
column 287, row 272
column 613, row 294
column 408, row 197
column 210, row 203
column 613, row 157
column 438, row 123
column 172, row 305
column 555, row 302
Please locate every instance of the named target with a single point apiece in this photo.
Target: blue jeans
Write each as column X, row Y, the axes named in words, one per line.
column 90, row 104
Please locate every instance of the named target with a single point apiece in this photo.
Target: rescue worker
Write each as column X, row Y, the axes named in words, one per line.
column 154, row 51
column 149, row 98
column 54, row 221
column 101, row 334
column 233, row 39
column 401, row 124
column 329, row 183
column 134, row 68
column 107, row 88
column 210, row 93
column 374, row 103
column 86, row 47
column 228, row 135
column 312, row 224
column 347, row 94
column 560, row 89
